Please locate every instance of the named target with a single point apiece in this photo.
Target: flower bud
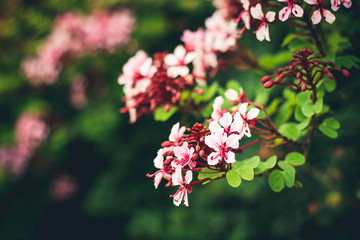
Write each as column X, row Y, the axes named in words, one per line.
column 166, row 144
column 265, row 79
column 346, row 73
column 167, row 107
column 329, row 75
column 298, row 75
column 202, row 153
column 200, row 91
column 197, row 148
column 303, row 87
column 279, row 78
column 298, row 82
column 269, row 84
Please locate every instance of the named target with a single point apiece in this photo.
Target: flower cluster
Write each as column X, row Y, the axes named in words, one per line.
column 307, row 70
column 151, row 82
column 73, row 35
column 212, row 147
column 251, row 13
column 31, row 131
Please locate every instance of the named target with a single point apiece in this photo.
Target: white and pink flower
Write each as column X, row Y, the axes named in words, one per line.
column 178, row 62
column 185, row 188
column 247, row 119
column 335, row 4
column 217, row 109
column 220, row 143
column 263, row 31
column 245, row 14
column 228, row 124
column 292, row 7
column 320, row 12
column 176, row 133
column 183, row 155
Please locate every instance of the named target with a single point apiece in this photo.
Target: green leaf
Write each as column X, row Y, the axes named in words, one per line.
column 271, row 162
column 246, row 172
column 290, row 130
column 289, row 176
column 347, row 61
column 273, row 106
column 318, row 105
column 276, row 180
column 233, row 178
column 161, row 115
column 303, row 124
column 289, row 38
column 260, row 168
column 303, row 97
column 328, row 131
column 308, row 110
column 295, row 158
column 298, row 114
column 253, row 162
column 331, row 123
column 330, row 85
column 283, row 165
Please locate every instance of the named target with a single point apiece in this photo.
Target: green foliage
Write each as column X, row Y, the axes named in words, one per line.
column 242, row 170
column 161, row 115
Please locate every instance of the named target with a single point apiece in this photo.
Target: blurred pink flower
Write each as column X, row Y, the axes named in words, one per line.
column 73, row 35
column 77, row 92
column 30, row 132
column 63, row 188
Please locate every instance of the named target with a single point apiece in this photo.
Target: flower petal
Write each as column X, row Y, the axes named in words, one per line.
column 329, row 17
column 253, row 113
column 256, row 12
column 316, row 17
column 226, row 120
column 188, row 177
column 297, row 11
column 231, row 94
column 230, row 157
column 284, row 13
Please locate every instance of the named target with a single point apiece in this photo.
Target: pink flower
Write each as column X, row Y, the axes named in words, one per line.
column 222, row 34
column 247, row 118
column 320, row 11
column 217, row 111
column 285, row 13
column 77, row 92
column 162, row 172
column 263, row 31
column 139, row 66
column 335, row 4
column 220, row 142
column 63, row 188
column 193, row 40
column 178, row 62
column 176, row 133
column 227, row 124
column 183, row 155
column 184, row 189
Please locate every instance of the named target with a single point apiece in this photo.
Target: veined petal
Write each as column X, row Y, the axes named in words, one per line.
column 171, row 60
column 186, row 200
column 266, row 31
column 213, row 126
column 210, row 141
column 145, row 67
column 316, row 17
column 188, row 177
column 253, row 113
column 243, row 108
column 178, row 196
column 159, row 160
column 190, row 57
column 237, row 123
column 284, row 13
column 270, row 16
column 180, row 52
column 226, row 120
column 230, row 157
column 297, row 11
column 261, row 32
column 246, row 4
column 157, row 179
column 256, row 12
column 213, row 158
column 329, row 17
column 177, row 176
column 233, row 141
column 178, row 152
column 312, row 2
column 347, row 3
column 177, row 71
column 231, row 94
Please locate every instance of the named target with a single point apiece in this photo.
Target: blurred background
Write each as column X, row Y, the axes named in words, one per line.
column 71, row 167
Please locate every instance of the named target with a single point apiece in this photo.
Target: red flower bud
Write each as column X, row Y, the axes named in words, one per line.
column 269, row 84
column 329, row 75
column 298, row 82
column 265, row 79
column 279, row 78
column 346, row 73
column 167, row 107
column 303, row 87
column 200, row 91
